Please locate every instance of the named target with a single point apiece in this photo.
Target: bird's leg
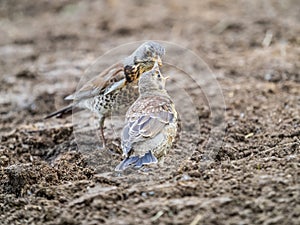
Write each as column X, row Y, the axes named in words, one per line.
column 101, row 126
column 161, row 161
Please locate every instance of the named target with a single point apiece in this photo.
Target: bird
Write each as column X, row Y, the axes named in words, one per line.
column 150, row 123
column 115, row 88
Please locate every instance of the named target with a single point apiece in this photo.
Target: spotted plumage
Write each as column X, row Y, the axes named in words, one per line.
column 116, row 87
column 151, row 123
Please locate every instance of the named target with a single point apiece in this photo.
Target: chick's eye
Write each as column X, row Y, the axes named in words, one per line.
column 158, row 75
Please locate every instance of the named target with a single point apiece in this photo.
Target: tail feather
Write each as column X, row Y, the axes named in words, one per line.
column 66, row 111
column 137, row 161
column 127, row 162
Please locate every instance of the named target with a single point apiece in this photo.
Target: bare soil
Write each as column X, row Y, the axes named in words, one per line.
column 253, row 47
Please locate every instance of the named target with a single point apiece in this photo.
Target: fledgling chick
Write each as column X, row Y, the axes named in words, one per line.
column 116, row 87
column 151, row 123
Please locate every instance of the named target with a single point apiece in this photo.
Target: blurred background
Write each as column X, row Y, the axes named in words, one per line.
column 57, row 40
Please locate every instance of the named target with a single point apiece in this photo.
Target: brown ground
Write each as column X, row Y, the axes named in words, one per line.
column 254, row 177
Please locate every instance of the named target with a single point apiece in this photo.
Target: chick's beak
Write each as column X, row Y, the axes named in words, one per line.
column 166, row 78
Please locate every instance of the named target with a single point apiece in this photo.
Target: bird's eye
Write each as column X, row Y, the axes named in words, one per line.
column 158, row 75
column 148, row 53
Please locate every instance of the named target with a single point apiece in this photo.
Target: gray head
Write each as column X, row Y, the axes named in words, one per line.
column 152, row 82
column 146, row 55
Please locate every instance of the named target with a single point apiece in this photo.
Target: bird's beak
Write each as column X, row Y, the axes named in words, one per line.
column 159, row 61
column 166, row 78
column 156, row 66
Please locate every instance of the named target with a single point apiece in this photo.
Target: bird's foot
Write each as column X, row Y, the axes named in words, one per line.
column 148, row 168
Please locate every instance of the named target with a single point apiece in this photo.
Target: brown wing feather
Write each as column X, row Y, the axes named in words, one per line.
column 145, row 119
column 100, row 83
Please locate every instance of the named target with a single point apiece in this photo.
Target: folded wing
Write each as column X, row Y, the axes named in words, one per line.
column 108, row 81
column 141, row 126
